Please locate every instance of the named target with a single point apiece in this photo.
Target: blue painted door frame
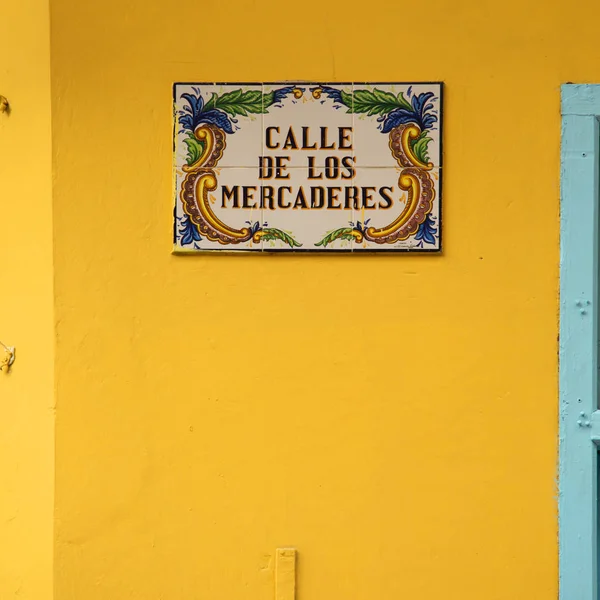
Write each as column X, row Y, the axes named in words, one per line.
column 579, row 415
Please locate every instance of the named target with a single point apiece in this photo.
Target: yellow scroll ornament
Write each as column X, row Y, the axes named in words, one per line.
column 201, row 179
column 415, row 180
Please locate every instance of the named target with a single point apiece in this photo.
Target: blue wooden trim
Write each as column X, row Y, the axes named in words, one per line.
column 595, row 427
column 580, row 99
column 579, row 420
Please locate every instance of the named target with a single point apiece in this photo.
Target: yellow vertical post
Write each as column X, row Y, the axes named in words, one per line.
column 27, row 322
column 285, row 574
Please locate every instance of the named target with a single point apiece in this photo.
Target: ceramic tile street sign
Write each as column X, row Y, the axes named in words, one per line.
column 301, row 167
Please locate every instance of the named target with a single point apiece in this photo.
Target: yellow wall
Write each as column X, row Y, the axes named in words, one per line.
column 392, row 417
column 26, row 304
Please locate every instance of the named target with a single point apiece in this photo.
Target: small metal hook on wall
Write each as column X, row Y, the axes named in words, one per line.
column 8, row 359
column 4, row 105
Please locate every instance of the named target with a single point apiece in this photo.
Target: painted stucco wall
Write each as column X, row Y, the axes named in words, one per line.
column 26, row 304
column 392, row 417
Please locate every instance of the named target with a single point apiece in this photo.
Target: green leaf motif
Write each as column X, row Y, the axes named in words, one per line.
column 419, row 147
column 347, row 100
column 237, row 102
column 376, row 102
column 195, row 148
column 384, row 96
column 271, row 233
column 343, row 233
column 268, row 99
column 403, row 102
